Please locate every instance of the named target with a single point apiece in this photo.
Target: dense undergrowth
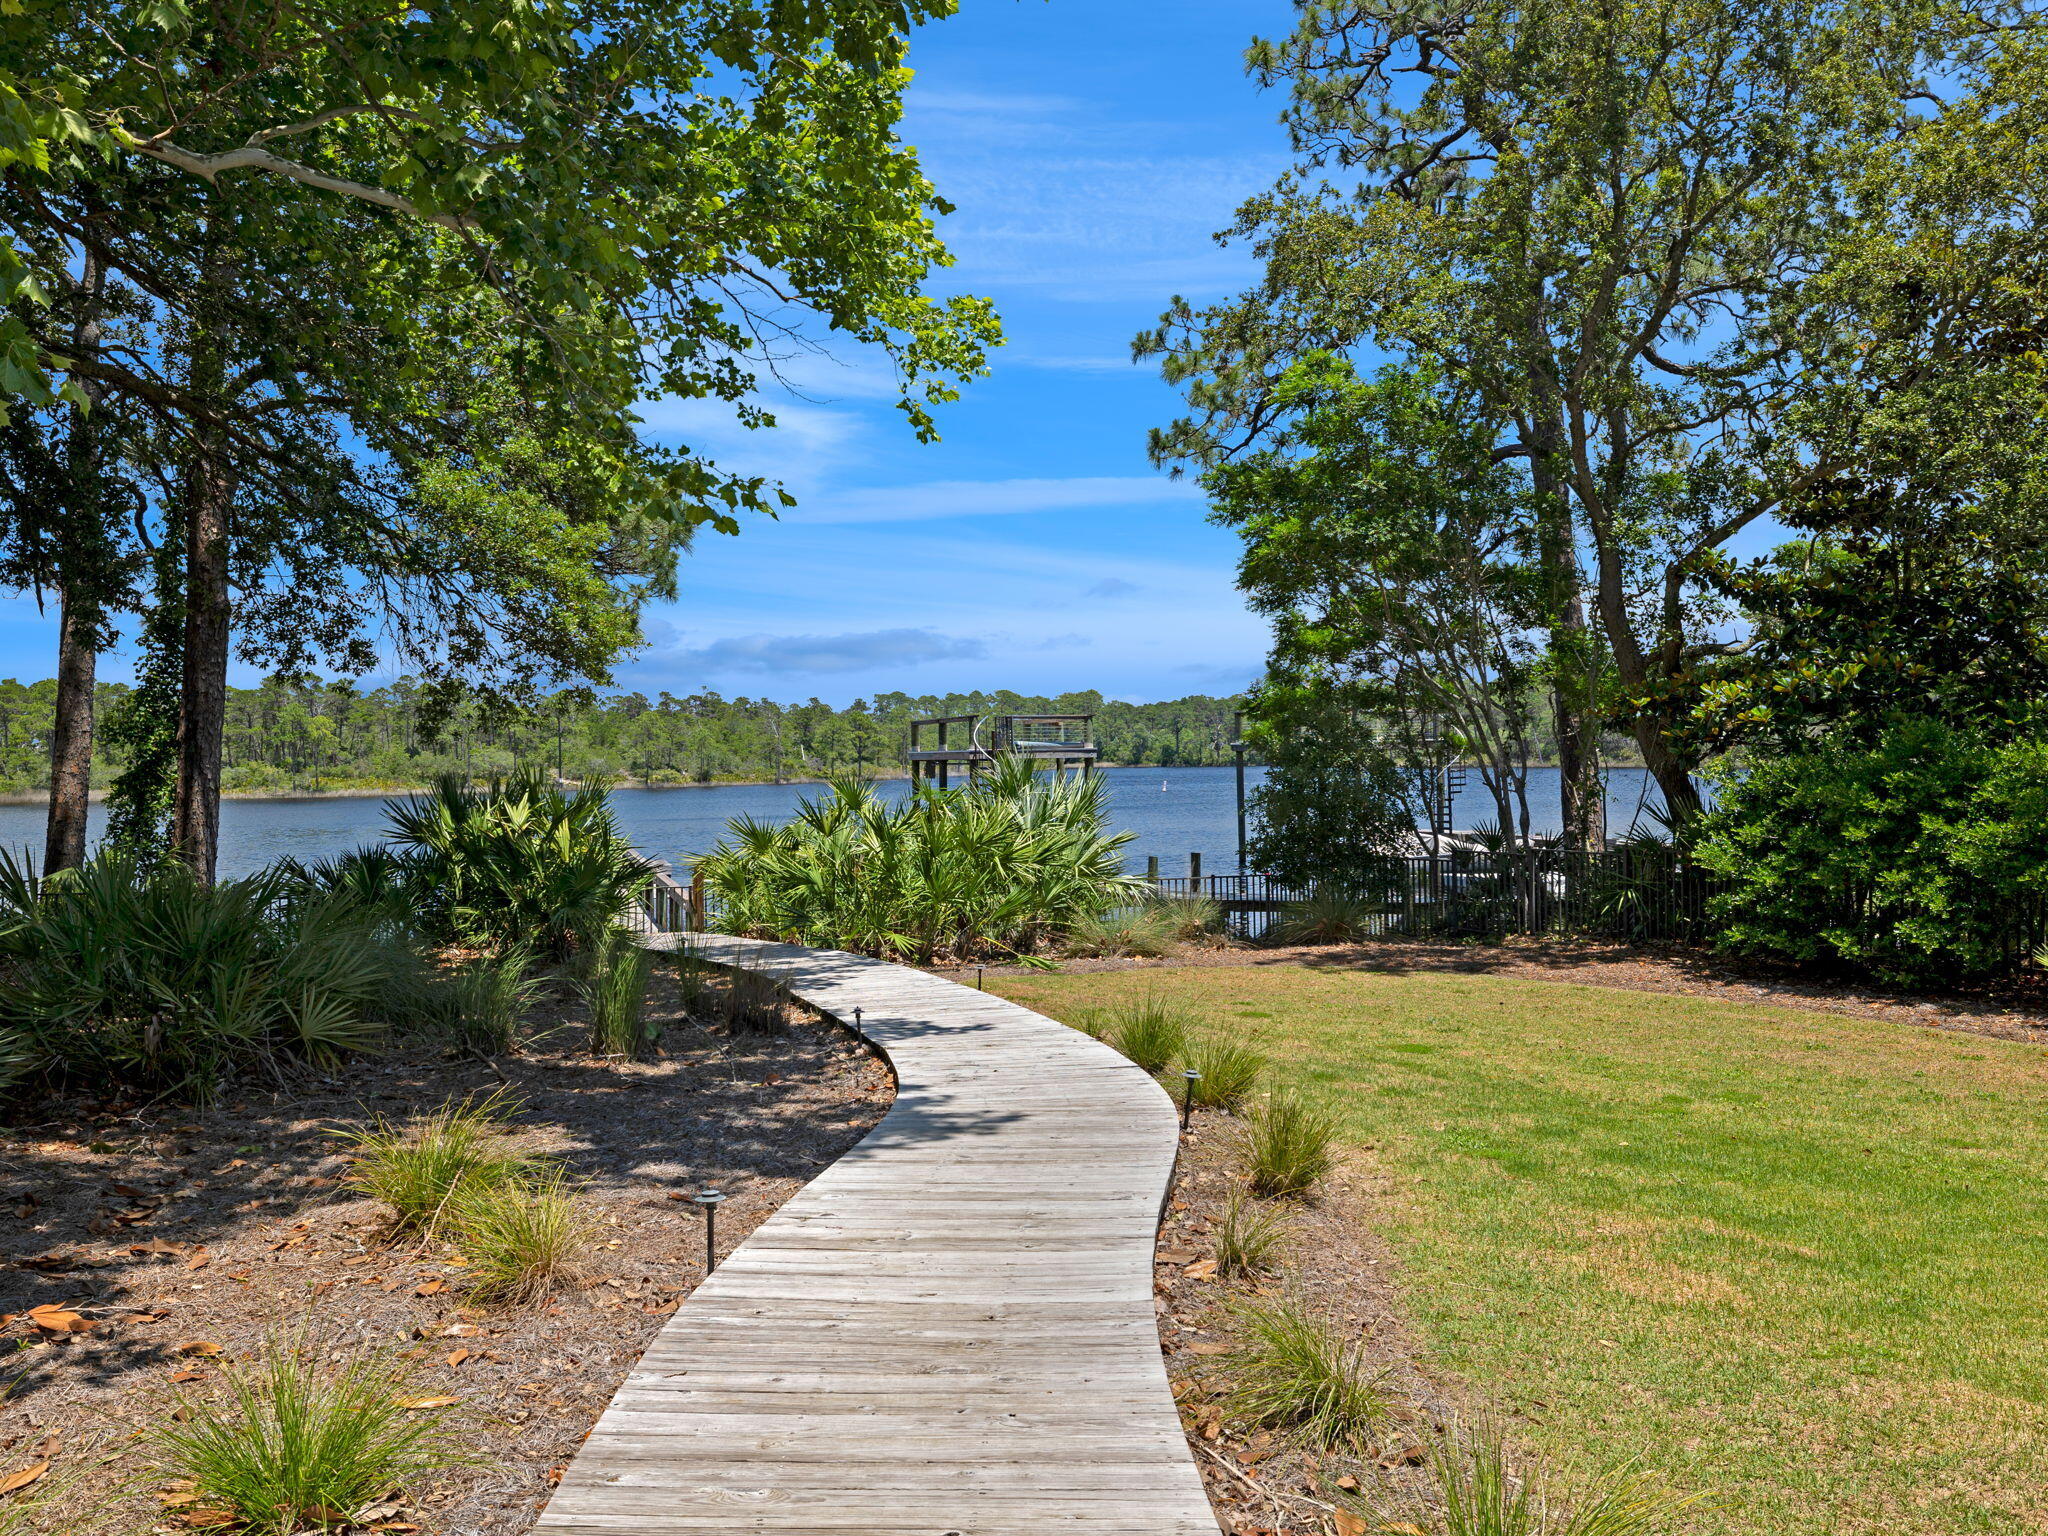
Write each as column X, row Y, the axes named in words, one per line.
column 1007, row 865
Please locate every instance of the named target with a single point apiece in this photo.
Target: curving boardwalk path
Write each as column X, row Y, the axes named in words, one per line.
column 950, row 1331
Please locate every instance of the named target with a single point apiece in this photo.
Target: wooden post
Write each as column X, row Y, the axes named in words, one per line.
column 1152, row 868
column 1194, row 874
column 696, row 918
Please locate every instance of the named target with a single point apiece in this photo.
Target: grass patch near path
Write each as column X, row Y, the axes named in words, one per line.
column 1788, row 1259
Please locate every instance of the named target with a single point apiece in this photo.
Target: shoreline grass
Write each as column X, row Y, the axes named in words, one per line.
column 1786, row 1255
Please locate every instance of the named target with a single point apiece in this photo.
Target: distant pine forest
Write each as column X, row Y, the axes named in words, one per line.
column 285, row 737
column 288, row 737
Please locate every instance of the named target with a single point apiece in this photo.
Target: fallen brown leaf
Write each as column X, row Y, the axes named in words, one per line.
column 428, row 1402
column 23, row 1478
column 198, row 1347
column 54, row 1319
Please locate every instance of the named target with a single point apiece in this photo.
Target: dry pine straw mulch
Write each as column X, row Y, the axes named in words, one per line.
column 1260, row 1482
column 183, row 1239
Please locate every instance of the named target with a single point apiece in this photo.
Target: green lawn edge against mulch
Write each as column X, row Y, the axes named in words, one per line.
column 1790, row 1259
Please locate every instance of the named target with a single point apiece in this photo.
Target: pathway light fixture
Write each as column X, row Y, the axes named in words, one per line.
column 708, row 1201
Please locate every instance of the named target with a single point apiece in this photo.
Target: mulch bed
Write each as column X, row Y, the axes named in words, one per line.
column 2014, row 1010
column 1260, row 1482
column 187, row 1238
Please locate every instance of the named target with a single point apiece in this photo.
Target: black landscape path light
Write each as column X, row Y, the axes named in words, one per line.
column 1187, row 1098
column 708, row 1201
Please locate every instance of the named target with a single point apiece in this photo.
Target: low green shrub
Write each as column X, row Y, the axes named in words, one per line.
column 523, row 862
column 1248, row 1236
column 1469, row 1489
column 1150, row 1031
column 1329, row 917
column 1907, row 858
column 144, row 975
column 300, row 1443
column 1288, row 1147
column 1005, row 865
column 521, row 1238
column 1142, row 931
column 419, row 1170
column 1298, row 1373
column 1228, row 1070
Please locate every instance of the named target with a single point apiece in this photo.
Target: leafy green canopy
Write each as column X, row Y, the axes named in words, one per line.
column 623, row 201
column 1000, row 867
column 1333, row 804
column 1676, row 253
column 1394, row 555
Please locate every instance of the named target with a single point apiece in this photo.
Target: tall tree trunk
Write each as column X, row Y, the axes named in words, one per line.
column 72, row 731
column 82, row 612
column 203, row 690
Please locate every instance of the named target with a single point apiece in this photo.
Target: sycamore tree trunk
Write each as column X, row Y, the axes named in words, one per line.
column 82, row 614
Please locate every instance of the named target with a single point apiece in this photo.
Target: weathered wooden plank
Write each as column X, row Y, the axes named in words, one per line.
column 949, row 1332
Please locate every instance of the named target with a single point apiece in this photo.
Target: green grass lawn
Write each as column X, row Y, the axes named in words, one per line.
column 1795, row 1260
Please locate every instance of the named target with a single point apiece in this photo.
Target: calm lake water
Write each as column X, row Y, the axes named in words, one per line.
column 1172, row 811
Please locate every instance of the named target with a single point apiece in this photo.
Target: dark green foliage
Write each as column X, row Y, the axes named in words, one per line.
column 1886, row 611
column 1915, row 857
column 1002, row 866
column 1332, row 806
column 526, row 864
column 143, row 976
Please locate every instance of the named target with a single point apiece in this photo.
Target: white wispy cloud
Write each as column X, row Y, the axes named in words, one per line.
column 982, row 498
column 855, row 652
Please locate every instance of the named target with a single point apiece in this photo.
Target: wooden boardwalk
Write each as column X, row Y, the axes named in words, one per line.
column 950, row 1331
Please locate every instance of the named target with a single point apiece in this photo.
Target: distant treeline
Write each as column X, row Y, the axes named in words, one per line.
column 313, row 736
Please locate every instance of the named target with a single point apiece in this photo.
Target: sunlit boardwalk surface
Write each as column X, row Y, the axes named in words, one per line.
column 950, row 1331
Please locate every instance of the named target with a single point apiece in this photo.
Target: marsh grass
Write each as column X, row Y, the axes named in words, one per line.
column 1150, row 1031
column 1229, row 1072
column 1249, row 1236
column 614, row 990
column 1296, row 1372
column 1288, row 1146
column 524, row 1238
column 489, row 998
column 298, row 1442
column 1141, row 931
column 418, row 1170
column 1473, row 1490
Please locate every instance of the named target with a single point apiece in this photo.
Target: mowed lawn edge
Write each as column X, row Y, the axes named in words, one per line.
column 1794, row 1260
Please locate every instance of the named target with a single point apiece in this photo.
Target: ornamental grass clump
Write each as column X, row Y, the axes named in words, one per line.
column 1471, row 1490
column 1249, row 1236
column 1150, row 1031
column 488, row 998
column 1229, row 1072
column 1006, row 865
column 1329, row 917
column 614, row 989
column 1288, row 1147
column 524, row 1238
column 419, row 1170
column 1301, row 1374
column 299, row 1442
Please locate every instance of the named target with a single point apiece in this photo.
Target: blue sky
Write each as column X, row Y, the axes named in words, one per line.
column 1091, row 147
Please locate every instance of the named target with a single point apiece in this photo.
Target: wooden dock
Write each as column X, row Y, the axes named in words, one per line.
column 950, row 1331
